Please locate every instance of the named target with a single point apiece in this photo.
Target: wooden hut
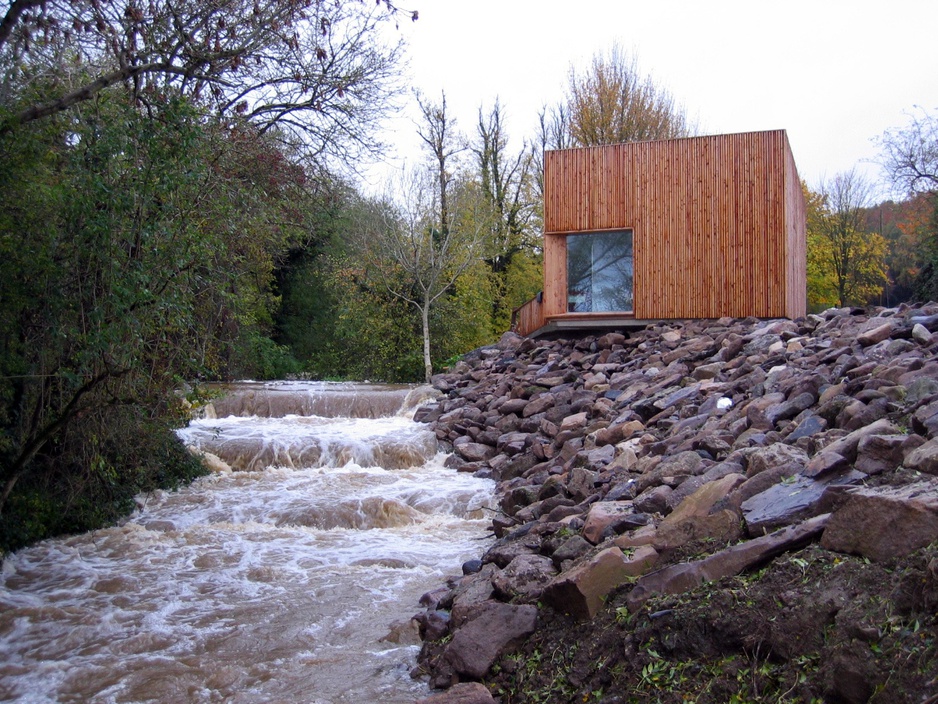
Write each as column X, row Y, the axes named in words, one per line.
column 697, row 227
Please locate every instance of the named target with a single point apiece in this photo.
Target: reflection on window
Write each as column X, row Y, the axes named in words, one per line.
column 599, row 272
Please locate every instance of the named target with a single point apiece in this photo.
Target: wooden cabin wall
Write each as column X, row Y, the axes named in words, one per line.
column 715, row 222
column 796, row 232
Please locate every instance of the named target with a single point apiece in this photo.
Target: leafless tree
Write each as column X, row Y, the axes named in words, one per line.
column 910, row 154
column 440, row 137
column 413, row 259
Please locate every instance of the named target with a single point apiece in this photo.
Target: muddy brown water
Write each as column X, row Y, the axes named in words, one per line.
column 285, row 580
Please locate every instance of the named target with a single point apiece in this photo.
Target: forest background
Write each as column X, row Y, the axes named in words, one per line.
column 179, row 204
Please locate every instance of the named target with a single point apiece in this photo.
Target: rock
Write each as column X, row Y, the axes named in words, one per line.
column 921, row 388
column 577, row 421
column 512, row 443
column 504, row 551
column 924, row 458
column 877, row 334
column 474, row 451
column 776, row 455
column 433, row 625
column 610, row 340
column 681, row 465
column 471, row 567
column 733, row 560
column 571, row 549
column 513, row 405
column 721, row 526
column 462, row 693
column 654, row 500
column 715, row 446
column 885, row 522
column 824, row 464
column 759, row 483
column 611, row 515
column 847, row 446
column 707, row 371
column 471, row 591
column 812, row 425
column 925, row 420
column 880, row 453
column 790, row 408
column 581, row 483
column 525, row 577
column 580, row 591
column 921, row 334
column 616, row 433
column 606, row 434
column 493, row 631
column 791, row 501
column 642, row 560
column 636, row 538
column 703, row 500
column 929, row 322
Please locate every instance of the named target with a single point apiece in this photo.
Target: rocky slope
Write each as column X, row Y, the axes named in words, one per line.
column 696, row 511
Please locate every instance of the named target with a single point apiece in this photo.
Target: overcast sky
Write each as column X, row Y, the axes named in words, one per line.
column 834, row 74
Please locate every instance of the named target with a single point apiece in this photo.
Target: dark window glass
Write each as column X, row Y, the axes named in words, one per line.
column 599, row 272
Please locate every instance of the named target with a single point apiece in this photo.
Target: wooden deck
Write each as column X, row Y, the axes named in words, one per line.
column 529, row 320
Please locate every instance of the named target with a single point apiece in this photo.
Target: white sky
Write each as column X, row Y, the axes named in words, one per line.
column 833, row 73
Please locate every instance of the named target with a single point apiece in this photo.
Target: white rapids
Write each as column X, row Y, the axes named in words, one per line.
column 286, row 583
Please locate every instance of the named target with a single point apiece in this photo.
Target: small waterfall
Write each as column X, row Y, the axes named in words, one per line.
column 291, row 578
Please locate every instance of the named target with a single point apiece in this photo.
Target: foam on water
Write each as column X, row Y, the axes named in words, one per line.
column 267, row 585
column 251, row 443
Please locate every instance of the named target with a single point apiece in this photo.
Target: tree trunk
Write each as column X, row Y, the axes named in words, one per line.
column 425, row 322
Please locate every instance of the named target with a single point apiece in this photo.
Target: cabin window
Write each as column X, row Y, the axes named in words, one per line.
column 599, row 272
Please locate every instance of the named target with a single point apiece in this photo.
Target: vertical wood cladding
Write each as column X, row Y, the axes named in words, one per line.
column 718, row 222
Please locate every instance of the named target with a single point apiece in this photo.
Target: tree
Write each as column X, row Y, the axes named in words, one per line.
column 440, row 138
column 910, row 154
column 508, row 189
column 414, row 257
column 910, row 158
column 506, row 184
column 611, row 102
column 316, row 71
column 845, row 262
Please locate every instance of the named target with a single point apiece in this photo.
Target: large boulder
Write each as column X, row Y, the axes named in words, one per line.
column 885, row 522
column 580, row 591
column 495, row 630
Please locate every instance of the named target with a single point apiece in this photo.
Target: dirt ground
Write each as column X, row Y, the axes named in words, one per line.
column 812, row 626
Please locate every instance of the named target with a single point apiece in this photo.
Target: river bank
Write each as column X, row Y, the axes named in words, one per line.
column 699, row 510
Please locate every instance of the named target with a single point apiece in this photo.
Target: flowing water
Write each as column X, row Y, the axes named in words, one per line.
column 290, row 579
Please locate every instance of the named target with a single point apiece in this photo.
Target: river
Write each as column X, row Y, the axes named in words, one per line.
column 291, row 578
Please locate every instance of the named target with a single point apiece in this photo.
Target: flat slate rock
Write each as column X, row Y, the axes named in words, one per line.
column 685, row 576
column 791, row 501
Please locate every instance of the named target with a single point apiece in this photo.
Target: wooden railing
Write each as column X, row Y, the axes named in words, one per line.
column 528, row 317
